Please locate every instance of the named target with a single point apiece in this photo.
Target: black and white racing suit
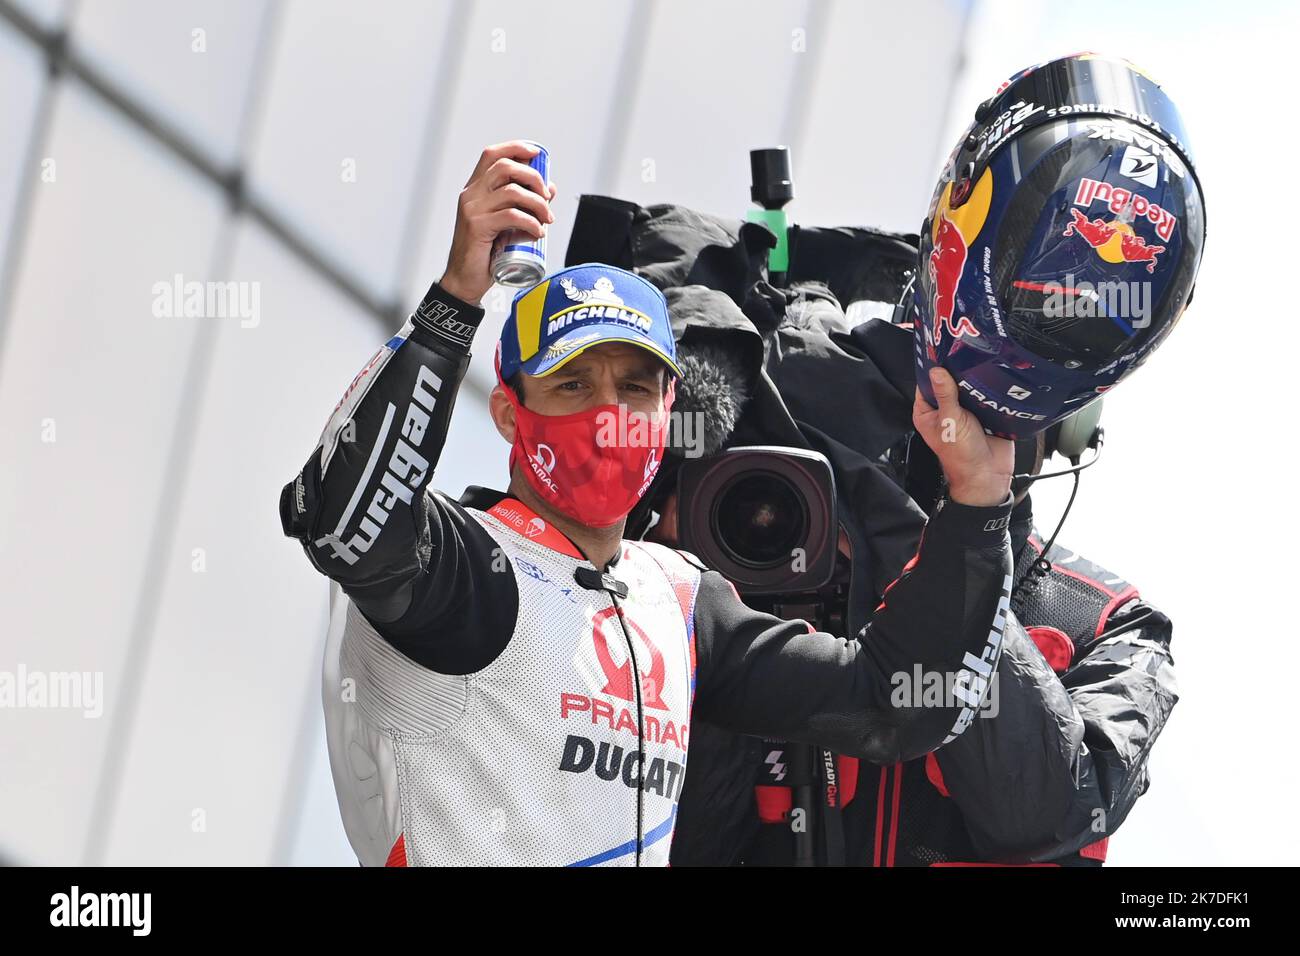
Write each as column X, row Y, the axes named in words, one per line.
column 494, row 698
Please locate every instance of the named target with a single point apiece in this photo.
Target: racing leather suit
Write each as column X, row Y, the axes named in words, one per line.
column 498, row 699
column 1084, row 688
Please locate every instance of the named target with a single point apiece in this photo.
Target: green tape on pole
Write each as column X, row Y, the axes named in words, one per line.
column 778, row 260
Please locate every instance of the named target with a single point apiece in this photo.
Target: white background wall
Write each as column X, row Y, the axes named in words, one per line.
column 174, row 435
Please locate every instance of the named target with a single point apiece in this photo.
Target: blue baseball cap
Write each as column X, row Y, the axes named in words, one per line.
column 569, row 311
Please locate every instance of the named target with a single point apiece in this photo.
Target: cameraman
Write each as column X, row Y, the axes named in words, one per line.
column 1048, row 770
column 1086, row 695
column 1054, row 192
column 518, row 680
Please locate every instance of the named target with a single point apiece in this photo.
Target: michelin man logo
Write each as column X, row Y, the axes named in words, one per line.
column 601, row 291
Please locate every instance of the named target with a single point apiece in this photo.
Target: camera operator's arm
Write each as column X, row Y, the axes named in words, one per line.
column 1063, row 761
column 941, row 618
column 362, row 506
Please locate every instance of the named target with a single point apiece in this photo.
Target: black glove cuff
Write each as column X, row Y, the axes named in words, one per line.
column 447, row 317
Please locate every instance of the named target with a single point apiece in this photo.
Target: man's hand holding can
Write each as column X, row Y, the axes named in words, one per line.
column 503, row 193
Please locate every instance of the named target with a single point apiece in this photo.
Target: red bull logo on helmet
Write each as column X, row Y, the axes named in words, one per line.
column 1114, row 241
column 1120, row 201
column 952, row 232
column 947, row 260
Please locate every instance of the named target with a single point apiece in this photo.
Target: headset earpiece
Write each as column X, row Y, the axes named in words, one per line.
column 1077, row 431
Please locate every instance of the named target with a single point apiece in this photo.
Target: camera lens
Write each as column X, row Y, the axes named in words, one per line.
column 759, row 519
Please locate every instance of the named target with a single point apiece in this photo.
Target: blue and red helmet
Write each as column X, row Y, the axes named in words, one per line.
column 1062, row 243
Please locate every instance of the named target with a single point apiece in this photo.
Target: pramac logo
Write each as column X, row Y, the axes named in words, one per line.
column 618, row 677
column 542, row 460
column 544, row 456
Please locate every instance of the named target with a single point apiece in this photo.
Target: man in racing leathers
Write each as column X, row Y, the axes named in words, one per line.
column 1046, row 775
column 515, row 680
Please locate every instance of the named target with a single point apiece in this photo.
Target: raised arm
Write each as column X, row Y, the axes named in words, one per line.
column 362, row 506
column 359, row 505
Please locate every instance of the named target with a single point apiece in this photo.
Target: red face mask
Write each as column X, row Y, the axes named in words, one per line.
column 593, row 465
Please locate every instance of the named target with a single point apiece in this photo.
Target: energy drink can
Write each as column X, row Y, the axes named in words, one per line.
column 517, row 258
